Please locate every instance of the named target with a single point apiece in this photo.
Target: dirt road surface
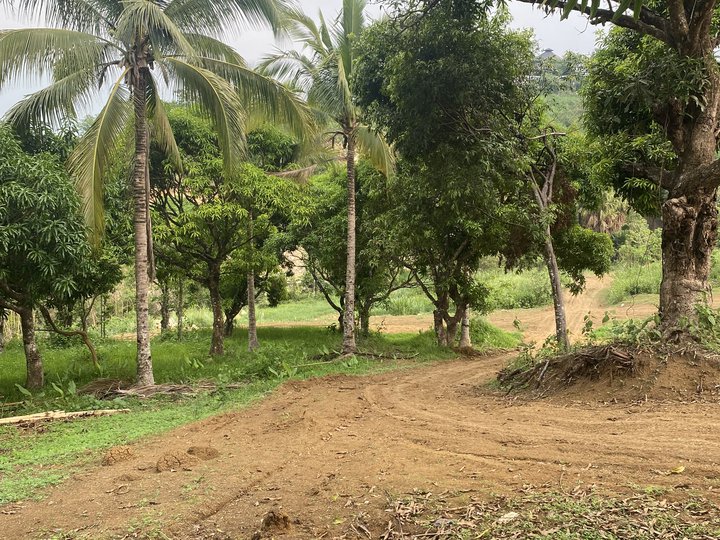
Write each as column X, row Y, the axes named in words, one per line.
column 325, row 450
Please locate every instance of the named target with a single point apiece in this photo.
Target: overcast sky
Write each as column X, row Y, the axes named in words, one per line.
column 551, row 33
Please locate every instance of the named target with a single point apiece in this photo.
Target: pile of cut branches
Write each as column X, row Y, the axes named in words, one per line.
column 561, row 371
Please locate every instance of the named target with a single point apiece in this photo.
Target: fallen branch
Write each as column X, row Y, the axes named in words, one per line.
column 58, row 415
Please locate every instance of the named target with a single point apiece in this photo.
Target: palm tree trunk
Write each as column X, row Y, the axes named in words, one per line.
column 349, row 346
column 35, row 375
column 253, row 343
column 142, row 282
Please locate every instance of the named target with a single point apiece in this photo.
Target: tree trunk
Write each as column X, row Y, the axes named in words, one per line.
column 253, row 343
column 35, row 376
column 217, row 347
column 164, row 306
column 465, row 338
column 348, row 345
column 144, row 359
column 439, row 323
column 2, row 332
column 180, row 309
column 364, row 316
column 688, row 236
column 561, row 332
column 229, row 324
column 452, row 328
column 690, row 214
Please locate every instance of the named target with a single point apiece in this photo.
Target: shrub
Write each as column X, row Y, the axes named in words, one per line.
column 528, row 289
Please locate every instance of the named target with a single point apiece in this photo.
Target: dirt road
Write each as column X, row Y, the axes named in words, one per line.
column 536, row 323
column 323, row 451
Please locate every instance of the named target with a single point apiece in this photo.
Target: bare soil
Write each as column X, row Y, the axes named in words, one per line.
column 318, row 455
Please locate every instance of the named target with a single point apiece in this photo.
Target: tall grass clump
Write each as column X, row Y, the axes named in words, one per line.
column 630, row 281
column 527, row 289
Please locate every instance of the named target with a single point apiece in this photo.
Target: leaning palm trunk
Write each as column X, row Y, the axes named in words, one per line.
column 140, row 194
column 349, row 346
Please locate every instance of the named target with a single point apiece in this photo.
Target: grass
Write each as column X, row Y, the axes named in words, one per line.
column 547, row 515
column 486, row 336
column 32, row 459
column 528, row 289
column 405, row 302
column 634, row 280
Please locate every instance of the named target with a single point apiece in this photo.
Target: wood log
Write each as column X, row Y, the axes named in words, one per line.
column 58, row 415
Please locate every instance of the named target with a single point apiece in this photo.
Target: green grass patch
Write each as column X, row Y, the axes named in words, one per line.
column 485, row 336
column 527, row 289
column 629, row 281
column 405, row 302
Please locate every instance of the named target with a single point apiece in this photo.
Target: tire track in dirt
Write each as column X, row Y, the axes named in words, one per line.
column 324, row 451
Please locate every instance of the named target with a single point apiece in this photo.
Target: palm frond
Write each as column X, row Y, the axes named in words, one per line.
column 94, row 151
column 210, row 47
column 143, row 18
column 302, row 29
column 262, row 94
column 37, row 50
column 217, row 98
column 55, row 103
column 290, row 67
column 343, row 82
column 325, row 93
column 91, row 16
column 374, row 147
column 347, row 31
column 217, row 16
column 160, row 128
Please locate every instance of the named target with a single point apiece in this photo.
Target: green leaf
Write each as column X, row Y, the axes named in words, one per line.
column 24, row 391
column 622, row 8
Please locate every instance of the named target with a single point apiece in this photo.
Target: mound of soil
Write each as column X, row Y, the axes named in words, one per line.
column 176, row 461
column 617, row 374
column 117, row 454
column 275, row 521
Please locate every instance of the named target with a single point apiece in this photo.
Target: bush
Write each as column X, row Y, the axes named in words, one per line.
column 637, row 244
column 528, row 289
column 632, row 280
column 276, row 290
column 486, row 336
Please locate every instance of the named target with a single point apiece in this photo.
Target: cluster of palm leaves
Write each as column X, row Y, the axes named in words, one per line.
column 135, row 51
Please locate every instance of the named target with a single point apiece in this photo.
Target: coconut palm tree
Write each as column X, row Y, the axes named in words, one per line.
column 130, row 51
column 323, row 71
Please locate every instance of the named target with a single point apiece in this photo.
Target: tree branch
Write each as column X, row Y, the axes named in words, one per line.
column 70, row 333
column 649, row 23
